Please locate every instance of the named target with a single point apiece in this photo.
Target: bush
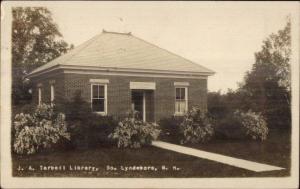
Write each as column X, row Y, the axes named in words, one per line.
column 91, row 132
column 76, row 109
column 170, row 129
column 39, row 130
column 23, row 108
column 196, row 127
column 134, row 133
column 229, row 127
column 87, row 129
column 254, row 124
column 240, row 125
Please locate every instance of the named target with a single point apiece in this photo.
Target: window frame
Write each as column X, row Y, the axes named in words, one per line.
column 39, row 95
column 105, row 98
column 185, row 99
column 52, row 94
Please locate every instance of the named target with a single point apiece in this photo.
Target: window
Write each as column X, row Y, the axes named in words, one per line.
column 52, row 93
column 40, row 95
column 181, row 100
column 99, row 98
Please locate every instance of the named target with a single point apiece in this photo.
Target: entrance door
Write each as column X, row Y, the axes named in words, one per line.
column 138, row 103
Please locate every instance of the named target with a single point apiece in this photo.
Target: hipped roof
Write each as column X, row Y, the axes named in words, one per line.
column 124, row 51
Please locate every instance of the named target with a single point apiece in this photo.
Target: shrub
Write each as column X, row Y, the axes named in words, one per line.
column 240, row 125
column 254, row 124
column 87, row 129
column 92, row 132
column 228, row 127
column 22, row 108
column 170, row 129
column 196, row 127
column 76, row 109
column 39, row 130
column 134, row 133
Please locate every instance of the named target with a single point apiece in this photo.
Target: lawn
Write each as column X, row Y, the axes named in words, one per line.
column 274, row 151
column 102, row 161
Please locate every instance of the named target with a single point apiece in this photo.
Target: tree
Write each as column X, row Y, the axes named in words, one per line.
column 36, row 40
column 267, row 86
column 217, row 105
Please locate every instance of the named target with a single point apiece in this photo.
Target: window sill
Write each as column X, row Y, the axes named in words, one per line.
column 100, row 113
column 179, row 114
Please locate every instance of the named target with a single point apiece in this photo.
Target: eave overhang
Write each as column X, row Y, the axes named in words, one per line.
column 121, row 72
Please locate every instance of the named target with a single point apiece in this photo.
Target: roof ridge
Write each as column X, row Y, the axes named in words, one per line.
column 121, row 33
column 172, row 53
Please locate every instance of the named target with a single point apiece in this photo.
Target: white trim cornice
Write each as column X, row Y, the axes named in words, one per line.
column 132, row 74
column 130, row 70
column 123, row 72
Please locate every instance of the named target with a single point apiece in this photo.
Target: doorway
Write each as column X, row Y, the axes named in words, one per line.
column 142, row 102
column 137, row 103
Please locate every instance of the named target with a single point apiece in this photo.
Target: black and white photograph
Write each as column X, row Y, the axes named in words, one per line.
column 149, row 94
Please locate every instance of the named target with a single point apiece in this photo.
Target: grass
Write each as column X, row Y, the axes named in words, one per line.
column 104, row 156
column 275, row 151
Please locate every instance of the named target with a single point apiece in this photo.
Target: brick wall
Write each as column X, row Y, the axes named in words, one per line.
column 59, row 92
column 119, row 94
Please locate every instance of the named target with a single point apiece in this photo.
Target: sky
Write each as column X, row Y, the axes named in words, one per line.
column 219, row 36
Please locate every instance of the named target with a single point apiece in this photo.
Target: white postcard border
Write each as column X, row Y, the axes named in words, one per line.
column 7, row 181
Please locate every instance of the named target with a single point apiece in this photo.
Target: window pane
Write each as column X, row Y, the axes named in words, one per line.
column 95, row 91
column 98, row 105
column 182, row 93
column 101, row 91
column 177, row 106
column 177, row 93
column 182, row 106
